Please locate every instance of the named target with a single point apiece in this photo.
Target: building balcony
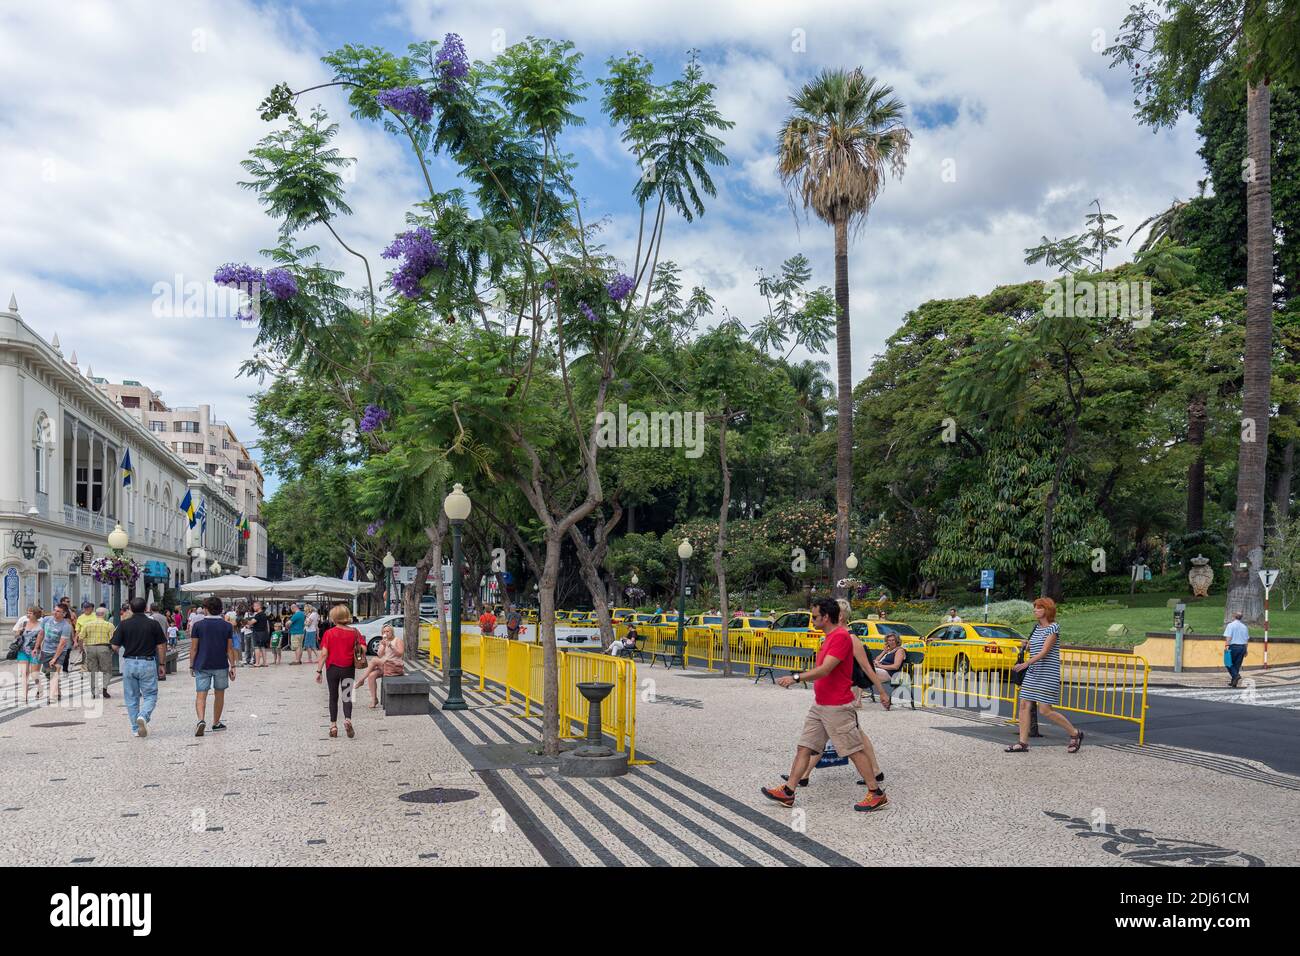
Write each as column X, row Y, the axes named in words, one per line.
column 75, row 517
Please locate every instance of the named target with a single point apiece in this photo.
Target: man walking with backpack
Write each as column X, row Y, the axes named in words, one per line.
column 833, row 715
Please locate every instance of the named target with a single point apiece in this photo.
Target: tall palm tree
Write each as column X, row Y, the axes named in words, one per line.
column 844, row 133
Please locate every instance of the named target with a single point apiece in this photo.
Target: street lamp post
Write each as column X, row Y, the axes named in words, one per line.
column 457, row 506
column 117, row 542
column 684, row 552
column 389, row 561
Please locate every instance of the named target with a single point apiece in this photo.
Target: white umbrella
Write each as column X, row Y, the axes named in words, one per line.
column 228, row 584
column 322, row 586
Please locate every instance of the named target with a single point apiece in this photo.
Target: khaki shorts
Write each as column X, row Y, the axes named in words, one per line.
column 295, row 641
column 836, row 722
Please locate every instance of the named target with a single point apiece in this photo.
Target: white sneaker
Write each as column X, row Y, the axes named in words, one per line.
column 141, row 727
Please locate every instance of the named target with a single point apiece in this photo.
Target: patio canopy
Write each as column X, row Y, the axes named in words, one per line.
column 320, row 586
column 229, row 584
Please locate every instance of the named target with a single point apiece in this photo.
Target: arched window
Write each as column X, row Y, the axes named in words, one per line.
column 41, row 443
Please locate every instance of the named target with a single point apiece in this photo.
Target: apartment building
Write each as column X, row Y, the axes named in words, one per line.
column 210, row 446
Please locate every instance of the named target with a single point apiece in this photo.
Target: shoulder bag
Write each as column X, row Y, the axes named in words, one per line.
column 359, row 653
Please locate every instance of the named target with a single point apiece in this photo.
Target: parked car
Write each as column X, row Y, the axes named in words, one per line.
column 873, row 633
column 972, row 647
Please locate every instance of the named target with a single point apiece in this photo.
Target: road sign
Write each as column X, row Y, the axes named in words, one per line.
column 986, row 578
column 1268, row 577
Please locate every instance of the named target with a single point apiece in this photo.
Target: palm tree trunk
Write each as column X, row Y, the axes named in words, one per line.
column 1245, row 592
column 1196, row 470
column 844, row 405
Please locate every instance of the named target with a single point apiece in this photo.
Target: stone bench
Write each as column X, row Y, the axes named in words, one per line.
column 405, row 695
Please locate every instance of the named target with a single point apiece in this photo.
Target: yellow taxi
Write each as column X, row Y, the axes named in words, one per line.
column 972, row 647
column 661, row 626
column 872, row 633
column 562, row 617
column 582, row 619
column 619, row 615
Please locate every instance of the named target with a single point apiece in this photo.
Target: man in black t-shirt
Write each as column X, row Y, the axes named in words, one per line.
column 144, row 661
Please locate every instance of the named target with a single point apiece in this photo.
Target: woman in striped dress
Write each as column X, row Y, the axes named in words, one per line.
column 1042, row 669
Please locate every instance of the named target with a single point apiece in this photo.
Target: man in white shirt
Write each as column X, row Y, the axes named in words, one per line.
column 953, row 617
column 1237, row 638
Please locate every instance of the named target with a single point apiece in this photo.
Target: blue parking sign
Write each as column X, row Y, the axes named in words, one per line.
column 986, row 578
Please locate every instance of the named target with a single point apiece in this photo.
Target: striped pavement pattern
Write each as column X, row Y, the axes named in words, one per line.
column 653, row 816
column 1287, row 697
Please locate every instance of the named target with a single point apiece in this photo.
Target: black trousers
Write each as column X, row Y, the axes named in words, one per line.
column 341, row 680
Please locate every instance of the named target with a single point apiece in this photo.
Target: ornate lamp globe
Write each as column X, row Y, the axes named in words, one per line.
column 684, row 550
column 851, row 562
column 117, row 539
column 389, row 560
column 457, row 505
column 635, row 580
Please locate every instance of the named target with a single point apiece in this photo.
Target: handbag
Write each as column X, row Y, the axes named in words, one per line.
column 1227, row 658
column 359, row 654
column 14, row 648
column 1018, row 677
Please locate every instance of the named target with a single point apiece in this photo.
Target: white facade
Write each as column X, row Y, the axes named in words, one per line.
column 61, row 447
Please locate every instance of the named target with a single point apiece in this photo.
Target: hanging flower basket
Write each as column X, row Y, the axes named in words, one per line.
column 115, row 570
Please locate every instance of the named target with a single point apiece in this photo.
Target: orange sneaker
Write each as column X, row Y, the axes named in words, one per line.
column 874, row 800
column 780, row 794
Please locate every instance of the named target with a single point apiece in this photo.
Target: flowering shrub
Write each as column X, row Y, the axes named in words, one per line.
column 235, row 274
column 588, row 311
column 420, row 255
column 115, row 570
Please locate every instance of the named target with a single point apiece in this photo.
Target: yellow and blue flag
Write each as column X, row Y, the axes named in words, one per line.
column 187, row 506
column 127, row 471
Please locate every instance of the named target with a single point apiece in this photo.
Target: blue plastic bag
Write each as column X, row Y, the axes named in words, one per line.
column 831, row 758
column 1227, row 658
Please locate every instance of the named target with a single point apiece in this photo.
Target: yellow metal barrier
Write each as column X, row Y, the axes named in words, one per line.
column 516, row 668
column 1099, row 683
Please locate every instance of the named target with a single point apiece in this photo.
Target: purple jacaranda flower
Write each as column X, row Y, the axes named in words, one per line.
column 588, row 312
column 374, row 417
column 419, row 254
column 373, row 528
column 619, row 287
column 281, row 284
column 237, row 274
column 408, row 99
column 549, row 285
column 452, row 63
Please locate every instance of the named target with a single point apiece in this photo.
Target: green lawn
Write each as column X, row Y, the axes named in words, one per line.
column 1140, row 613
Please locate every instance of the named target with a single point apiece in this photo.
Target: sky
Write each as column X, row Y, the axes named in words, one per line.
column 122, row 127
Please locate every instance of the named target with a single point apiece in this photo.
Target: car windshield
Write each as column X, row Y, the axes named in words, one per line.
column 376, row 620
column 712, row 620
column 905, row 630
column 1005, row 633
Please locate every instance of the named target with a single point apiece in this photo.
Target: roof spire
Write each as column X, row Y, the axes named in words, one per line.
column 55, row 343
column 13, row 303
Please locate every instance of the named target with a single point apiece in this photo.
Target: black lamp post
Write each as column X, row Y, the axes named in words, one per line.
column 457, row 506
column 684, row 552
column 389, row 561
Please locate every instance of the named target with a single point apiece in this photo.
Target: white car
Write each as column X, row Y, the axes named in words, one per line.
column 372, row 628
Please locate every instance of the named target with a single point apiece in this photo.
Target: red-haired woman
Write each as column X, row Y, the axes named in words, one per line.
column 1042, row 670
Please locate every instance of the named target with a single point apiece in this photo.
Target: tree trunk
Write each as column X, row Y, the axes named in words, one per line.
column 1051, row 581
column 1245, row 591
column 1285, row 475
column 719, row 565
column 411, row 606
column 844, row 405
column 550, row 658
column 444, row 636
column 1196, row 417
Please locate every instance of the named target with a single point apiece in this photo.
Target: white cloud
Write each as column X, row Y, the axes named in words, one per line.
column 120, row 167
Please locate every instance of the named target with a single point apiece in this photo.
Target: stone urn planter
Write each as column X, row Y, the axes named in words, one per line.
column 1201, row 576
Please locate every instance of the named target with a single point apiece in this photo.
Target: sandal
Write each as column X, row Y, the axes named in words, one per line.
column 1075, row 743
column 1017, row 748
column 347, row 726
column 334, row 730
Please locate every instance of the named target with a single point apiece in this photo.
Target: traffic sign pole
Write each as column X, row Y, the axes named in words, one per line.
column 1267, row 578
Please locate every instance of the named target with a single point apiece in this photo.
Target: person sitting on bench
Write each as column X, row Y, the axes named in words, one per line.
column 891, row 660
column 389, row 662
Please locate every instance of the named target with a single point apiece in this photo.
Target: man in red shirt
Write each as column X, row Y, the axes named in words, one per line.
column 833, row 715
column 487, row 623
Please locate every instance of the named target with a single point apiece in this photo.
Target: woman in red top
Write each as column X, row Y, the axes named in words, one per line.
column 338, row 663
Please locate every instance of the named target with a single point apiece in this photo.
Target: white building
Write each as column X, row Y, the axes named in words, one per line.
column 62, row 442
column 208, row 445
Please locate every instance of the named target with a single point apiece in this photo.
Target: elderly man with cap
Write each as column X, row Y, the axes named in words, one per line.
column 96, row 636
